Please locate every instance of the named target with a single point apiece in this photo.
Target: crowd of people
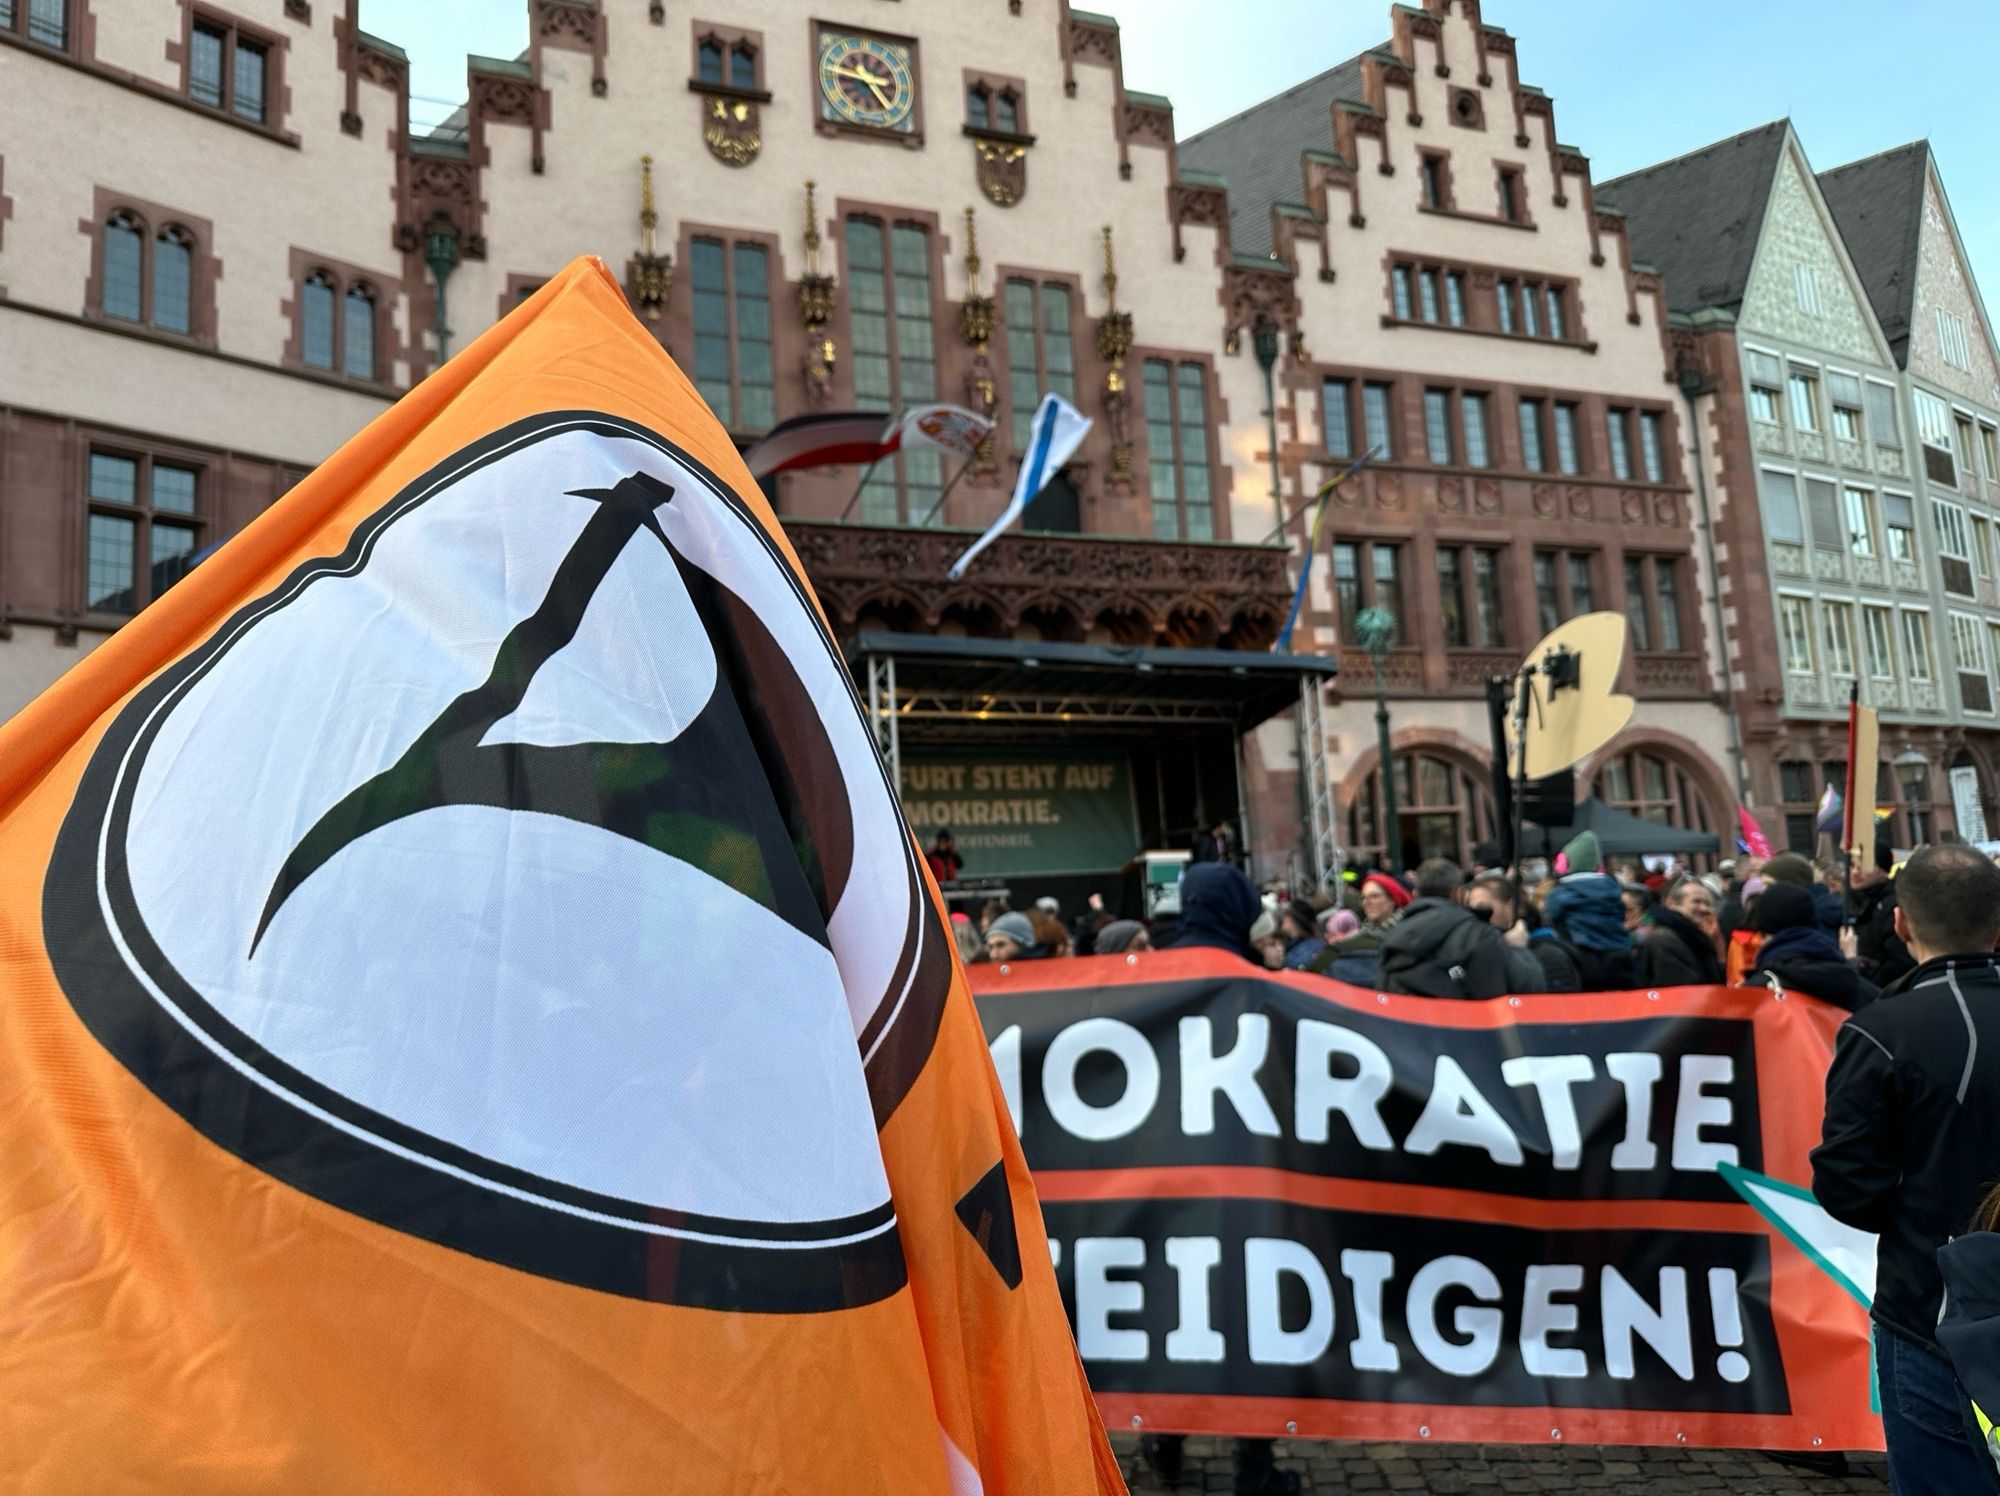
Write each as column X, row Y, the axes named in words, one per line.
column 1910, row 1146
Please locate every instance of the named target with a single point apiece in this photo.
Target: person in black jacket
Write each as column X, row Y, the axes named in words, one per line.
column 1879, row 951
column 1911, row 1141
column 1492, row 897
column 1799, row 956
column 1440, row 948
column 1679, row 951
column 1970, row 1330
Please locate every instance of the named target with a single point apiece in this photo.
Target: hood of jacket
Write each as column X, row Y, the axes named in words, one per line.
column 1807, row 959
column 1827, row 905
column 1424, row 926
column 1587, row 910
column 1218, row 907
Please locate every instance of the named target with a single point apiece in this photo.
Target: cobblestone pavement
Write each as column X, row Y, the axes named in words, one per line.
column 1325, row 1466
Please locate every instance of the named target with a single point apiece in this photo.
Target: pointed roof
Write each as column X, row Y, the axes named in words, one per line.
column 1696, row 219
column 1257, row 152
column 1879, row 204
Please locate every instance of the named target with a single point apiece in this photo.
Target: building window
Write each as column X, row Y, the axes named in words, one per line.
column 733, row 367
column 1510, row 194
column 1399, row 291
column 1441, row 811
column 1454, row 298
column 1882, row 415
column 1563, row 586
column 1966, row 442
column 1934, row 431
column 1952, row 342
column 978, row 108
column 1823, row 505
column 1437, row 426
column 228, row 69
column 1533, row 457
column 46, row 21
column 143, row 525
column 1838, row 621
column 1007, row 112
column 1469, row 594
column 1804, row 388
column 316, row 299
column 1472, row 428
column 1506, row 299
column 1652, row 447
column 1530, row 318
column 148, row 278
column 1860, row 521
column 1582, row 591
column 1548, row 591
column 1375, row 421
column 895, row 356
column 1618, row 429
column 1805, row 289
column 1567, row 458
column 1917, row 643
column 1654, row 789
column 1845, row 392
column 1899, row 526
column 1780, row 494
column 1795, row 629
column 1177, row 450
column 1952, row 537
column 1041, row 350
column 726, row 61
column 742, row 66
column 1367, row 575
column 1636, row 612
column 1667, row 595
column 1915, row 780
column 1989, row 452
column 1337, row 416
column 1982, row 546
column 1556, row 320
column 1765, row 375
column 1435, row 183
column 1968, row 647
column 1875, row 629
column 336, row 324
column 708, row 60
column 1427, row 295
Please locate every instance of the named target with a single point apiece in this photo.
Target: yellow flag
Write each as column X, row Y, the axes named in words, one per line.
column 475, row 1019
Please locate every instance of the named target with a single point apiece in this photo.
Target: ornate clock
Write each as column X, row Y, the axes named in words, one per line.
column 867, row 82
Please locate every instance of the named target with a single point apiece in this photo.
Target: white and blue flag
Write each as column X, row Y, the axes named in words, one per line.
column 1058, row 430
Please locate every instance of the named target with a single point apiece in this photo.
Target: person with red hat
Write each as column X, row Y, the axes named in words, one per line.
column 1356, row 959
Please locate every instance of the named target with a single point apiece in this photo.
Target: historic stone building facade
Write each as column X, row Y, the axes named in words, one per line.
column 249, row 256
column 1452, row 296
column 1828, row 539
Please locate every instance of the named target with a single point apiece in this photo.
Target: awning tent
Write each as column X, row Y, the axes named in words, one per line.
column 1618, row 834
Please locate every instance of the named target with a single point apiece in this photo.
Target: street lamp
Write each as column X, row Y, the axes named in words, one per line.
column 441, row 254
column 1375, row 629
column 1264, row 343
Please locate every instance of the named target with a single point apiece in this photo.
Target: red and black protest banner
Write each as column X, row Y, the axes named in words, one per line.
column 1281, row 1206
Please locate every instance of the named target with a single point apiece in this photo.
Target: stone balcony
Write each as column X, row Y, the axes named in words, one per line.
column 1065, row 588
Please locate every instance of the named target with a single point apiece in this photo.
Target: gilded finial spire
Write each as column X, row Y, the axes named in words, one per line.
column 971, row 255
column 1110, row 271
column 649, row 216
column 812, row 233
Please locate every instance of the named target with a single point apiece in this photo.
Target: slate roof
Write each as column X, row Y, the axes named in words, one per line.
column 1257, row 152
column 1879, row 205
column 1696, row 218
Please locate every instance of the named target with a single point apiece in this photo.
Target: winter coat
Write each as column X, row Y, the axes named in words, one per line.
column 1299, row 954
column 1678, row 953
column 1911, row 1138
column 1970, row 1335
column 1879, row 951
column 1442, row 949
column 1218, row 907
column 1807, row 959
column 1587, row 910
column 1827, row 905
column 1561, row 970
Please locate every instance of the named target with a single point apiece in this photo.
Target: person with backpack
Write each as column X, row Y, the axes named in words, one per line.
column 1440, row 948
column 1586, row 911
column 1910, row 1145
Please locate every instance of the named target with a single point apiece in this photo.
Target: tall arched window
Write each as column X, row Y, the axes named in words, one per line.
column 124, row 267
column 173, row 280
column 358, row 334
column 1442, row 808
column 1655, row 788
column 316, row 345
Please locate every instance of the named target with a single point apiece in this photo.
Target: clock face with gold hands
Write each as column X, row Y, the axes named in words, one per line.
column 865, row 81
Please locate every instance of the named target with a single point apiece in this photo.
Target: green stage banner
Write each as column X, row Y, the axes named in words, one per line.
column 1025, row 812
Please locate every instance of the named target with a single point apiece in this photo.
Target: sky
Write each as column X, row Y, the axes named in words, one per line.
column 1634, row 81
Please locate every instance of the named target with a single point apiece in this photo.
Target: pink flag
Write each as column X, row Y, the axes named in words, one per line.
column 1754, row 840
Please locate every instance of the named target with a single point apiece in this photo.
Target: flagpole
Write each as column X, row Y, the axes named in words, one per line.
column 945, row 492
column 1332, row 483
column 869, row 471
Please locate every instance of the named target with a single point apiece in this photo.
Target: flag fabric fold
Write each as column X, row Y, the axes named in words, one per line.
column 1056, row 432
column 856, row 438
column 1324, row 496
column 1753, row 840
column 476, row 1018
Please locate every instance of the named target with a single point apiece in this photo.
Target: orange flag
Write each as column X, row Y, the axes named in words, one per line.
column 472, row 1017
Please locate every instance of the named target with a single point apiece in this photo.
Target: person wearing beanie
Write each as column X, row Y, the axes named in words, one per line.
column 1356, row 958
column 1011, row 937
column 1267, row 942
column 1880, row 953
column 1789, row 867
column 1585, row 911
column 1341, row 923
column 1298, row 926
column 1798, row 955
column 1120, row 937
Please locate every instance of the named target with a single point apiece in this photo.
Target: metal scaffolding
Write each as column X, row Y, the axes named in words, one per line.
column 1318, row 771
